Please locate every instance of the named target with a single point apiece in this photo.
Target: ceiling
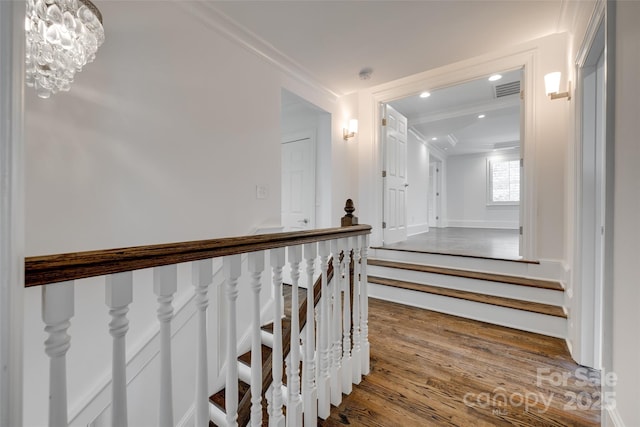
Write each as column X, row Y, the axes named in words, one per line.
column 473, row 117
column 332, row 41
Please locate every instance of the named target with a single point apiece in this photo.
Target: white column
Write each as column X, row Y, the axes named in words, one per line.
column 294, row 401
column 232, row 269
column 347, row 384
column 119, row 294
column 356, row 356
column 310, row 392
column 11, row 211
column 165, row 285
column 324, row 400
column 57, row 309
column 256, row 266
column 201, row 277
column 364, row 306
column 337, row 247
column 276, row 418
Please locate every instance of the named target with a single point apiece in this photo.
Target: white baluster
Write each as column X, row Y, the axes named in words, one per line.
column 364, row 306
column 324, row 400
column 165, row 285
column 119, row 294
column 347, row 376
column 57, row 309
column 294, row 401
column 256, row 266
column 356, row 356
column 337, row 247
column 202, row 277
column 276, row 418
column 232, row 269
column 310, row 392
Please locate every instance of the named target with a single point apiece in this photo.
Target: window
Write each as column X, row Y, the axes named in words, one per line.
column 503, row 181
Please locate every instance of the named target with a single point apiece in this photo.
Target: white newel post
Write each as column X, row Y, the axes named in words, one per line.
column 57, row 310
column 11, row 211
column 294, row 401
column 347, row 384
column 356, row 357
column 165, row 285
column 324, row 400
column 364, row 306
column 310, row 392
column 119, row 294
column 256, row 266
column 202, row 277
column 276, row 417
column 232, row 269
column 337, row 247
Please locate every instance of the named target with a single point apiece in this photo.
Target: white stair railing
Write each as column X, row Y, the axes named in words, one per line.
column 335, row 350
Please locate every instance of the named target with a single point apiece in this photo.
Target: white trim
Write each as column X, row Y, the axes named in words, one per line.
column 187, row 418
column 214, row 19
column 11, row 211
column 611, row 417
column 414, row 229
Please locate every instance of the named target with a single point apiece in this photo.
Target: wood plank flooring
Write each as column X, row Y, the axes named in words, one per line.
column 534, row 307
column 471, row 242
column 432, row 369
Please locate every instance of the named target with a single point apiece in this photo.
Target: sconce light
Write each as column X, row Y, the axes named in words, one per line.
column 552, row 86
column 351, row 131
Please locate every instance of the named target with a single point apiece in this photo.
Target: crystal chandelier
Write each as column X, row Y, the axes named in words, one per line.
column 62, row 36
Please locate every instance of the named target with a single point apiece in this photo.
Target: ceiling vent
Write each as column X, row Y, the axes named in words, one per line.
column 507, row 89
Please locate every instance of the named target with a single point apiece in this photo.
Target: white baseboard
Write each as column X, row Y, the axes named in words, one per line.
column 611, row 417
column 467, row 223
column 417, row 229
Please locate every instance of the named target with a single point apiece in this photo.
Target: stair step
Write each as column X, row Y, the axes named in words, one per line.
column 533, row 307
column 218, row 398
column 502, row 278
column 246, row 358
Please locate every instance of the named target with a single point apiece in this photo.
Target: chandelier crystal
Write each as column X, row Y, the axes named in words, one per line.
column 61, row 37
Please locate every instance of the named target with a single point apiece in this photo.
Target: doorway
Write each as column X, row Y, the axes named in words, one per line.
column 591, row 202
column 472, row 176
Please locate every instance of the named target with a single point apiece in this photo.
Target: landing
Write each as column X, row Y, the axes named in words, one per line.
column 432, row 369
column 474, row 242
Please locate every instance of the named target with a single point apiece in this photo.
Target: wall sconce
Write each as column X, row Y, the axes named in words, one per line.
column 552, row 86
column 351, row 131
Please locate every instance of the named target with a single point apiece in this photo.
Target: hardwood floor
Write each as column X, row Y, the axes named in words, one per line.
column 472, row 242
column 432, row 369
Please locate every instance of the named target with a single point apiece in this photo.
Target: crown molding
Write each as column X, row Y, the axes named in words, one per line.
column 470, row 109
column 207, row 14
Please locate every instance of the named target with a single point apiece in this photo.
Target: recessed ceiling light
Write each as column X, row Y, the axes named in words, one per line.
column 481, row 116
column 434, row 138
column 425, row 95
column 495, row 77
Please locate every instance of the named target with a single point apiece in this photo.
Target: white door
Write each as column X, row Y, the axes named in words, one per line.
column 394, row 176
column 298, row 182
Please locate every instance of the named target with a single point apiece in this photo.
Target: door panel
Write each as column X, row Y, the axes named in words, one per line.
column 298, row 184
column 395, row 181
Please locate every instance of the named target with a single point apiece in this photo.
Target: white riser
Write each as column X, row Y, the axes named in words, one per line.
column 518, row 319
column 550, row 270
column 525, row 293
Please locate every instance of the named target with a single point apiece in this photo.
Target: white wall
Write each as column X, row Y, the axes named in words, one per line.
column 163, row 139
column 467, row 195
column 418, row 190
column 626, row 246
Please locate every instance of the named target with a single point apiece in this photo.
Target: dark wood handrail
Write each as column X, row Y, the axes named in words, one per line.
column 42, row 270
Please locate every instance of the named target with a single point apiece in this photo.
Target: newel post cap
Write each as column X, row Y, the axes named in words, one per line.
column 349, row 219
